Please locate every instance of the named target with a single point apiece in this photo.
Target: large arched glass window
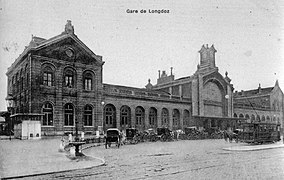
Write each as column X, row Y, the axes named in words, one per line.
column 267, row 118
column 68, row 115
column 47, row 110
column 247, row 116
column 88, row 115
column 48, row 75
column 88, row 81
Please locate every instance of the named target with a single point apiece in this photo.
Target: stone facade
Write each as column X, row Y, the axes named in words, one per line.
column 260, row 105
column 61, row 80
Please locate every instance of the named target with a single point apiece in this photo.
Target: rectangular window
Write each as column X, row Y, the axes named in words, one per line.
column 88, row 120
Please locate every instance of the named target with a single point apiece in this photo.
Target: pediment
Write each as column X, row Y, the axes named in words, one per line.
column 67, row 48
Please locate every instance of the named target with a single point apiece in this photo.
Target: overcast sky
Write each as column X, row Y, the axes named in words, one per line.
column 248, row 36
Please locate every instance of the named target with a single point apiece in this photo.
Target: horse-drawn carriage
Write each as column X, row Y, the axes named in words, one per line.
column 132, row 135
column 164, row 134
column 113, row 136
column 259, row 133
column 149, row 135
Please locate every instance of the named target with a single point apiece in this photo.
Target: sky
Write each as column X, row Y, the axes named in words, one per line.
column 248, row 36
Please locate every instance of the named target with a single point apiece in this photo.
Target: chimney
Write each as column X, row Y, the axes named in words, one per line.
column 159, row 73
column 171, row 71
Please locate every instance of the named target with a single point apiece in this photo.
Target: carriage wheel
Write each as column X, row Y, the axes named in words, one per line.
column 118, row 143
column 109, row 144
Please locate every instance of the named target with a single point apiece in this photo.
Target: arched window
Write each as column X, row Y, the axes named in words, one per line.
column 241, row 116
column 176, row 117
column 109, row 116
column 68, row 115
column 88, row 115
column 88, row 81
column 152, row 116
column 139, row 116
column 125, row 115
column 257, row 118
column 165, row 117
column 262, row 118
column 247, row 116
column 235, row 115
column 267, row 118
column 186, row 118
column 48, row 76
column 47, row 110
column 252, row 117
column 69, row 77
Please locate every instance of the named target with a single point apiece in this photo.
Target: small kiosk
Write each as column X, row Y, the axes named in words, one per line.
column 27, row 126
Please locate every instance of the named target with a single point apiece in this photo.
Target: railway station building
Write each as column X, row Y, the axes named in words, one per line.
column 58, row 81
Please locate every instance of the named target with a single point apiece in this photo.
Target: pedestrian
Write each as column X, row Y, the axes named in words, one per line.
column 70, row 137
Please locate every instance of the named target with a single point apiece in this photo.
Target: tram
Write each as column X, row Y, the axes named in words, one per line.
column 259, row 133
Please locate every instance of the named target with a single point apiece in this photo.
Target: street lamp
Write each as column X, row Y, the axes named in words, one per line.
column 102, row 129
column 10, row 106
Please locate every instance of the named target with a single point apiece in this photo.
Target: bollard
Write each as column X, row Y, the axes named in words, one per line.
column 72, row 151
column 61, row 146
column 70, row 137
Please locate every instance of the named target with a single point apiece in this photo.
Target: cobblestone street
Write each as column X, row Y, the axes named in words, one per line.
column 199, row 159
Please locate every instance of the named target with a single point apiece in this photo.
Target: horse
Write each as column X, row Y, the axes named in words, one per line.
column 231, row 136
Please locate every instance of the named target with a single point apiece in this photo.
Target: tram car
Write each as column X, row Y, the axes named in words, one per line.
column 259, row 133
column 113, row 136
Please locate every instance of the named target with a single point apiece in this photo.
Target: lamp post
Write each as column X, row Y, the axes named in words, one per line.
column 227, row 97
column 102, row 129
column 10, row 105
